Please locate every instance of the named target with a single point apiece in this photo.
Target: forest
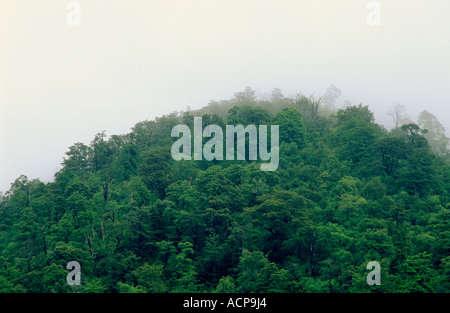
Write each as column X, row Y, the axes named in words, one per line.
column 347, row 191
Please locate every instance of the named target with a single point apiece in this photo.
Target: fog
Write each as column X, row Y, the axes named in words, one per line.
column 129, row 61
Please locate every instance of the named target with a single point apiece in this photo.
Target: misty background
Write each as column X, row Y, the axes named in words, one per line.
column 130, row 61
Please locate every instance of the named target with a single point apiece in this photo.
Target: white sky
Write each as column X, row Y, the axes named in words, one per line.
column 132, row 60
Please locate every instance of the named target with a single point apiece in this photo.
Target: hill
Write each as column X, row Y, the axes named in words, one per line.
column 346, row 192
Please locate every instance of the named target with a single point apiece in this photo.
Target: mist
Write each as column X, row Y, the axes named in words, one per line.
column 129, row 61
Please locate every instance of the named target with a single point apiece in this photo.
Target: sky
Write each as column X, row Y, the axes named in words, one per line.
column 133, row 60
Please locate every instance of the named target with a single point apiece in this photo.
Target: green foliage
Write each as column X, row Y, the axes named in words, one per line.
column 291, row 126
column 247, row 115
column 346, row 192
column 435, row 132
column 150, row 278
column 226, row 285
column 355, row 135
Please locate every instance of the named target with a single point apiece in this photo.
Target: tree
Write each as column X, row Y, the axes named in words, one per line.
column 220, row 192
column 126, row 288
column 139, row 194
column 417, row 274
column 94, row 285
column 355, row 139
column 360, row 113
column 277, row 101
column 272, row 279
column 250, row 263
column 435, row 132
column 143, row 134
column 398, row 114
column 185, row 273
column 393, row 152
column 20, row 191
column 419, row 173
column 125, row 165
column 277, row 218
column 413, row 132
column 248, row 115
column 291, row 126
column 212, row 263
column 308, row 107
column 54, row 279
column 330, row 96
column 78, row 158
column 247, row 97
column 150, row 277
column 154, row 169
column 7, row 287
column 101, row 152
column 226, row 285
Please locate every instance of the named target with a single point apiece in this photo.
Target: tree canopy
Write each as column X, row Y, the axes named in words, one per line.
column 347, row 192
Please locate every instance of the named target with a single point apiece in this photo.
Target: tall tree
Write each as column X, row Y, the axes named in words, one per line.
column 398, row 114
column 332, row 93
column 290, row 126
column 435, row 134
column 78, row 158
column 356, row 134
column 247, row 96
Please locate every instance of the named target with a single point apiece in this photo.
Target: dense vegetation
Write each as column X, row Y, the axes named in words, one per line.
column 346, row 192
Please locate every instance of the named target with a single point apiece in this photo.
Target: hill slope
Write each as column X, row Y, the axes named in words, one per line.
column 346, row 192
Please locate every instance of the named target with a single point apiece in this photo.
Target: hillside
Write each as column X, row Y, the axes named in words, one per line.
column 346, row 192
